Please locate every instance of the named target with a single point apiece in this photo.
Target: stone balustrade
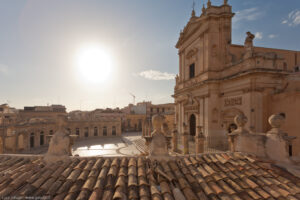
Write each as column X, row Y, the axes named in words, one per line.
column 274, row 145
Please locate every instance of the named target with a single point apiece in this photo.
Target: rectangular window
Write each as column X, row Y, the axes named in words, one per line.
column 77, row 131
column 114, row 132
column 86, row 132
column 104, row 131
column 95, row 131
column 192, row 70
column 42, row 138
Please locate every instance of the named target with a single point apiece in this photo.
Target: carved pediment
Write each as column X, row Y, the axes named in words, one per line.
column 191, row 27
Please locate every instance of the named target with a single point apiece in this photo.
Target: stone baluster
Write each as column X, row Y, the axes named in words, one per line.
column 199, row 140
column 174, row 138
column 185, row 139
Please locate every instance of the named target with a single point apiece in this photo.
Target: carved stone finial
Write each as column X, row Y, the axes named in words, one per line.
column 203, row 9
column 157, row 123
column 240, row 120
column 193, row 13
column 59, row 147
column 60, row 143
column 276, row 120
column 225, row 2
column 208, row 3
column 159, row 144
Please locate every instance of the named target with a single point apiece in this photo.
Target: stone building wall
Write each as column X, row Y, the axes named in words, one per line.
column 133, row 122
column 35, row 134
column 218, row 80
column 288, row 104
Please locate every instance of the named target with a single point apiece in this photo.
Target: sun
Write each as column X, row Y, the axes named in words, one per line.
column 94, row 64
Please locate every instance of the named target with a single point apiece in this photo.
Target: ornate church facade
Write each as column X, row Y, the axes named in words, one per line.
column 218, row 80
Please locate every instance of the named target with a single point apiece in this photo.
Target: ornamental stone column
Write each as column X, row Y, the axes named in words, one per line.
column 199, row 140
column 185, row 140
column 174, row 138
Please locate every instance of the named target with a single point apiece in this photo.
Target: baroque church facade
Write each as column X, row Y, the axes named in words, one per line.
column 218, row 80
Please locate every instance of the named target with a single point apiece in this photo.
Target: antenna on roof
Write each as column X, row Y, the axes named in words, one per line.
column 133, row 98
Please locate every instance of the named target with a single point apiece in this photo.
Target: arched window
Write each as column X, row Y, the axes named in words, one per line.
column 42, row 142
column 95, row 131
column 104, row 131
column 77, row 131
column 114, row 132
column 51, row 132
column 31, row 140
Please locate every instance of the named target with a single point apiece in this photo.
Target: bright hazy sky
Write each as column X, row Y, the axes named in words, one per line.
column 40, row 41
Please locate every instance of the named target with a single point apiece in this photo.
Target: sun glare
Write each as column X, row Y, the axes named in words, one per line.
column 94, row 64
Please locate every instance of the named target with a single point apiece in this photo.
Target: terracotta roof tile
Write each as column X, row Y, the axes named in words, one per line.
column 65, row 187
column 54, row 187
column 208, row 176
column 226, row 187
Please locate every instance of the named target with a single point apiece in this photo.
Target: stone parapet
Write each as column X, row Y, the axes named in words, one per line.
column 273, row 145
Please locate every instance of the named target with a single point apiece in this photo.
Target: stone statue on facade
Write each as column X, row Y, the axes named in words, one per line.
column 177, row 79
column 249, row 44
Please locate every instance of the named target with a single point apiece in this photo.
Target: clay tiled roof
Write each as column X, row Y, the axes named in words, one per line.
column 208, row 176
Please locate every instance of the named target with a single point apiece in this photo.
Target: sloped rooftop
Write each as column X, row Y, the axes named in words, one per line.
column 205, row 176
